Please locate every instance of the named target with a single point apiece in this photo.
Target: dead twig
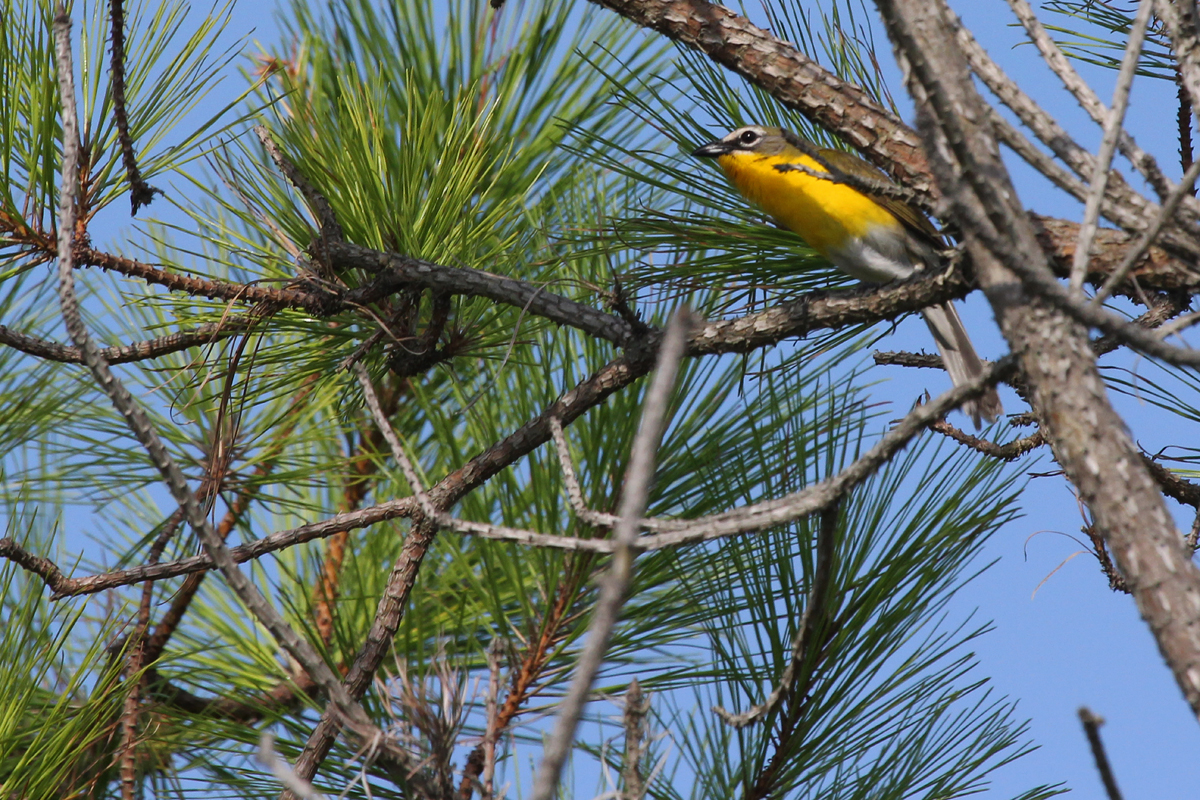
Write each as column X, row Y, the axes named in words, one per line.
column 637, row 706
column 1009, row 451
column 634, row 497
column 1091, row 729
column 140, row 192
column 1108, row 145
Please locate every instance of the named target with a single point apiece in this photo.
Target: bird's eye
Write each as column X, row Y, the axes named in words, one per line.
column 748, row 137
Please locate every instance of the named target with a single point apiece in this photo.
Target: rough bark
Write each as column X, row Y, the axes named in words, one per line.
column 1089, row 439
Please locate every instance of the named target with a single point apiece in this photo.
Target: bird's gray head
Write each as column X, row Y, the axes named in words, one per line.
column 750, row 139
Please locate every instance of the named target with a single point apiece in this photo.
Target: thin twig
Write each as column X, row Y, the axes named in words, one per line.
column 634, row 497
column 396, row 272
column 330, row 227
column 1126, row 207
column 1116, row 581
column 574, row 493
column 1019, row 143
column 385, row 427
column 136, row 659
column 813, row 616
column 493, row 717
column 127, row 353
column 891, row 358
column 1108, row 145
column 637, row 705
column 1181, row 24
column 1091, row 728
column 1039, row 281
column 140, row 192
column 1178, row 325
column 821, row 496
column 234, row 513
column 1179, row 489
column 1183, row 118
column 310, row 298
column 389, row 612
column 1010, row 451
column 1061, row 66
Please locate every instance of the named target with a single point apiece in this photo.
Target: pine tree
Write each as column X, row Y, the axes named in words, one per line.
column 397, row 314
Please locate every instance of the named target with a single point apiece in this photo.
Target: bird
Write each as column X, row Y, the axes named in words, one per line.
column 872, row 238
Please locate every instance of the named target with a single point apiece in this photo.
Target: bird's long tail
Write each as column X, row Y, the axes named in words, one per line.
column 960, row 359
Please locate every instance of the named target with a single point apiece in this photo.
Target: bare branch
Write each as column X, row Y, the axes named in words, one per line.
column 1008, row 135
column 1058, row 63
column 823, row 495
column 1091, row 728
column 1173, row 486
column 1147, row 237
column 493, row 719
column 1037, row 279
column 1108, row 144
column 283, row 771
column 127, row 353
column 901, row 359
column 370, row 655
column 1181, row 23
column 310, row 298
column 634, row 497
column 140, row 192
column 385, row 427
column 1123, row 205
column 331, row 229
column 637, row 705
column 1158, row 270
column 1099, row 458
column 1010, row 451
column 396, row 272
column 44, row 568
column 574, row 493
column 675, row 532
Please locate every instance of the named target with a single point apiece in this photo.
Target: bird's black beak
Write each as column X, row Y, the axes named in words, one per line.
column 711, row 150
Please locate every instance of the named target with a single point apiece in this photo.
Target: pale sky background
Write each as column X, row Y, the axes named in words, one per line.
column 1075, row 642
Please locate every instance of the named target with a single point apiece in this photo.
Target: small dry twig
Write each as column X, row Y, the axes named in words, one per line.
column 615, row 583
column 1108, row 145
column 1010, row 451
column 1091, row 728
column 140, row 192
column 637, row 706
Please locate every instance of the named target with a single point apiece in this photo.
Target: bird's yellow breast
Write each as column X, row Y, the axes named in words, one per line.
column 825, row 214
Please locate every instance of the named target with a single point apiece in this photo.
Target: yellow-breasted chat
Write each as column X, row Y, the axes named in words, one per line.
column 874, row 239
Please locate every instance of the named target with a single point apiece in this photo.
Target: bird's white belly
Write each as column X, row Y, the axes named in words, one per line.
column 878, row 257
